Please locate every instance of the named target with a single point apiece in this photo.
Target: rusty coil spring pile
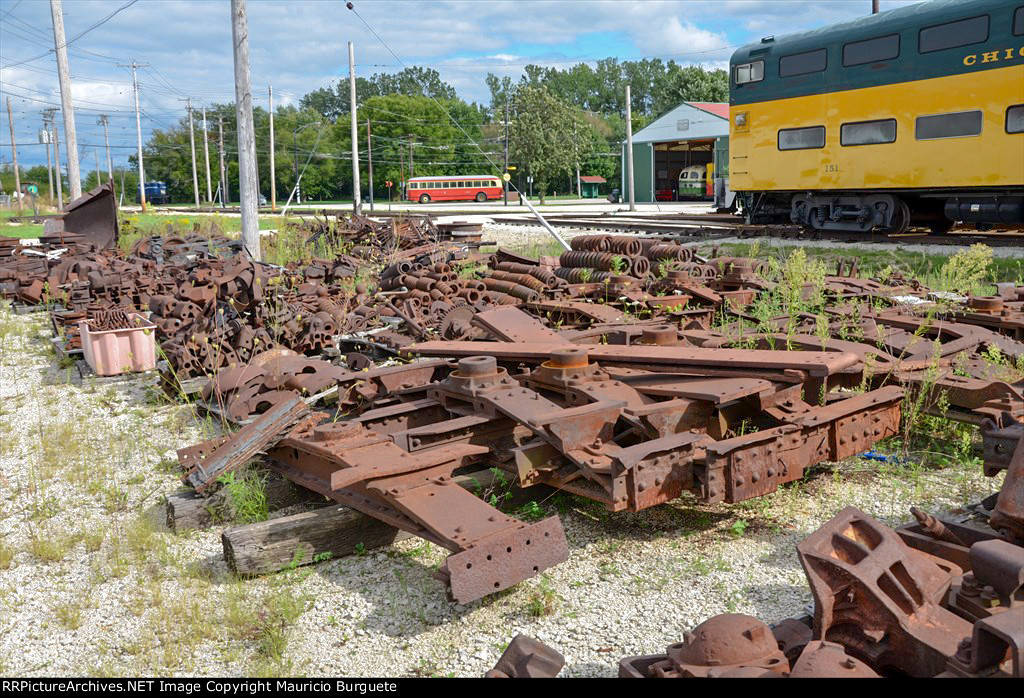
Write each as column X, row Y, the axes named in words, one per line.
column 617, row 244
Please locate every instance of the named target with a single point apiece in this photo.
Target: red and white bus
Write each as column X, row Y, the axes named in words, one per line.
column 456, row 188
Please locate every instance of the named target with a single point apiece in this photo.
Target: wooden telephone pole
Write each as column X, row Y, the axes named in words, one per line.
column 247, row 183
column 64, row 77
column 106, row 141
column 357, row 202
column 138, row 131
column 192, row 144
column 14, row 155
column 206, row 157
column 273, row 178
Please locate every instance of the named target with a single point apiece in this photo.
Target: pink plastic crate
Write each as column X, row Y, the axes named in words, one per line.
column 112, row 352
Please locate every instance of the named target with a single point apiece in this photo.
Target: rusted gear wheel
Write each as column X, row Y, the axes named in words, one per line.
column 455, row 324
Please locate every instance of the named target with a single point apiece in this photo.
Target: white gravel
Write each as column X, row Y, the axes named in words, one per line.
column 79, row 465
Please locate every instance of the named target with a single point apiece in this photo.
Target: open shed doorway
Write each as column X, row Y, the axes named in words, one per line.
column 671, row 159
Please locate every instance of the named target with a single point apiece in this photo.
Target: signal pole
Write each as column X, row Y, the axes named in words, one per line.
column 223, row 172
column 629, row 149
column 504, row 184
column 138, row 131
column 192, row 143
column 206, row 157
column 64, row 76
column 273, row 174
column 47, row 139
column 106, row 141
column 56, row 165
column 357, row 202
column 14, row 155
column 247, row 183
column 369, row 162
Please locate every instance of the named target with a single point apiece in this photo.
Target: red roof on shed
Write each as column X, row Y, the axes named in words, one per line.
column 717, row 108
column 593, row 179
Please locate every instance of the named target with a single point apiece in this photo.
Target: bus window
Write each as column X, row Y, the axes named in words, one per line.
column 802, row 138
column 749, row 72
column 952, row 34
column 803, row 63
column 871, row 50
column 1015, row 118
column 955, row 125
column 868, row 132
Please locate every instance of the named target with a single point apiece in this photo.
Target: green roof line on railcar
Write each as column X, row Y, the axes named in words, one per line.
column 909, row 65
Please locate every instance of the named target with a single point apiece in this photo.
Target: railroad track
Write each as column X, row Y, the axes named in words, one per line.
column 717, row 226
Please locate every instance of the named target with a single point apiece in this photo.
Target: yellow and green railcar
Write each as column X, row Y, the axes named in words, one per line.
column 913, row 116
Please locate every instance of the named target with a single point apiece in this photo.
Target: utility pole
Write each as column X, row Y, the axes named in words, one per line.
column 47, row 115
column 629, row 149
column 96, row 160
column 576, row 154
column 106, row 141
column 504, row 182
column 14, row 155
column 247, row 182
column 357, row 202
column 56, row 166
column 369, row 162
column 874, row 7
column 206, row 157
column 138, row 130
column 411, row 175
column 192, row 144
column 223, row 172
column 273, row 177
column 64, row 75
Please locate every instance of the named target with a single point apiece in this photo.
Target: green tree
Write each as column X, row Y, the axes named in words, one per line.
column 541, row 136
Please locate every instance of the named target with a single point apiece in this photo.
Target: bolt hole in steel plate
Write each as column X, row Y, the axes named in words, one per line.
column 503, row 560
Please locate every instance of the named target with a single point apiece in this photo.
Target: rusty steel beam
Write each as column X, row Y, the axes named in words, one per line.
column 817, row 364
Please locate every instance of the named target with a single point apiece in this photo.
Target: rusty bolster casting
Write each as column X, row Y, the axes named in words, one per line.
column 415, row 492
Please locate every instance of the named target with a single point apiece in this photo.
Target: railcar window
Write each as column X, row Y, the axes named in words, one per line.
column 1018, row 21
column 802, row 138
column 868, row 132
column 871, row 50
column 952, row 34
column 955, row 125
column 749, row 72
column 1015, row 119
column 803, row 63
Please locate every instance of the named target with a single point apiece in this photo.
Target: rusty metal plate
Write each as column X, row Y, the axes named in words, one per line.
column 505, row 559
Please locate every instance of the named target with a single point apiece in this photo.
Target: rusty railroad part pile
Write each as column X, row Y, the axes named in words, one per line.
column 607, row 372
column 931, row 599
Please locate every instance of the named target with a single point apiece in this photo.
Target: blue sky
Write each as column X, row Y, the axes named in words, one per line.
column 299, row 45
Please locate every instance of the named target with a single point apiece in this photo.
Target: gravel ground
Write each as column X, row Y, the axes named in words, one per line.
column 90, row 585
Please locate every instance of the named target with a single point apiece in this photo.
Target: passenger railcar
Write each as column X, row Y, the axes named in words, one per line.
column 911, row 116
column 693, row 182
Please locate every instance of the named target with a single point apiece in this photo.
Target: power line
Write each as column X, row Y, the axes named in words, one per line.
column 75, row 37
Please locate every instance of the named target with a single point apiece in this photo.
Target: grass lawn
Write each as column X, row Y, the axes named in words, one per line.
column 18, row 230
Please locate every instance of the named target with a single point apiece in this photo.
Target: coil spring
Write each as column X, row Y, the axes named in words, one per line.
column 512, row 289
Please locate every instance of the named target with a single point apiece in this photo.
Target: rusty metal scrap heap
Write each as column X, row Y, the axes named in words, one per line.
column 599, row 372
column 934, row 600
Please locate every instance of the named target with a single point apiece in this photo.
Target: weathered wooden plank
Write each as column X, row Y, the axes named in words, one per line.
column 247, row 442
column 188, row 510
column 270, row 546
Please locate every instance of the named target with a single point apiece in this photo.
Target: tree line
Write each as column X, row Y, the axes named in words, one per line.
column 418, row 125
